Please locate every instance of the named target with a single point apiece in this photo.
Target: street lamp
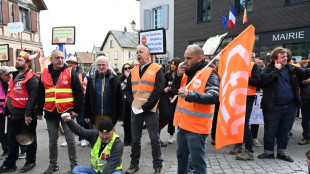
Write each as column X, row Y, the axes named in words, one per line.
column 133, row 26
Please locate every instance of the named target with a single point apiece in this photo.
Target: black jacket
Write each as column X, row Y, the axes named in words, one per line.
column 270, row 82
column 76, row 90
column 166, row 109
column 115, row 99
column 32, row 88
column 211, row 96
column 155, row 95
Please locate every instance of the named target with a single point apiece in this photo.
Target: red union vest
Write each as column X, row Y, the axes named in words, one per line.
column 194, row 117
column 59, row 96
column 251, row 89
column 18, row 91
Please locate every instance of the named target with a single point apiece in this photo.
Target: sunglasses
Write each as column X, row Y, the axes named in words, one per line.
column 127, row 68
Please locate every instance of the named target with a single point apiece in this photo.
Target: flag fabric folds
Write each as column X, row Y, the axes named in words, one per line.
column 224, row 21
column 245, row 16
column 232, row 17
column 63, row 49
column 234, row 72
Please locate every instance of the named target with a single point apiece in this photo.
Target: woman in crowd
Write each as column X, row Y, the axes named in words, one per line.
column 166, row 109
column 127, row 128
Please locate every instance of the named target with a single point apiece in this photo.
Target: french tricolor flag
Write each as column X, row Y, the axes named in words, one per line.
column 232, row 17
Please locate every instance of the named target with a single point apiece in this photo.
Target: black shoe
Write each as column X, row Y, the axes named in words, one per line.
column 27, row 167
column 265, row 156
column 213, row 141
column 5, row 168
column 162, row 144
column 157, row 171
column 127, row 144
column 132, row 169
column 284, row 157
column 51, row 169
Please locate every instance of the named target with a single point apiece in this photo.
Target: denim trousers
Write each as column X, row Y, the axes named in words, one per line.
column 191, row 145
column 247, row 137
column 80, row 119
column 305, row 123
column 151, row 120
column 278, row 124
column 16, row 126
column 89, row 170
column 52, row 126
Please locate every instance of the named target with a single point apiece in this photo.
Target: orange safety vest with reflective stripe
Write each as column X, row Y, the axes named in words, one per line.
column 59, row 96
column 18, row 91
column 194, row 117
column 251, row 89
column 147, row 82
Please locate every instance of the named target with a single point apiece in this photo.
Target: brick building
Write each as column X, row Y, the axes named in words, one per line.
column 277, row 23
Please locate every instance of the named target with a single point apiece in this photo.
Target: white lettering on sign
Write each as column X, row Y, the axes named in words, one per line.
column 288, row 36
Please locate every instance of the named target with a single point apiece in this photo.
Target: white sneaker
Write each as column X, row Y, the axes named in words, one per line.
column 83, row 143
column 171, row 139
column 64, row 144
column 256, row 142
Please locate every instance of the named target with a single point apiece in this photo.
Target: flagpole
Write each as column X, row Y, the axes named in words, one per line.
column 176, row 96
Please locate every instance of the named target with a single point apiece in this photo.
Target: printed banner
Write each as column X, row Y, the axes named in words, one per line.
column 63, row 35
column 4, row 53
column 234, row 70
column 257, row 116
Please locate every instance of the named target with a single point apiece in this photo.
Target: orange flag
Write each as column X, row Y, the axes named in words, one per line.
column 234, row 70
column 245, row 16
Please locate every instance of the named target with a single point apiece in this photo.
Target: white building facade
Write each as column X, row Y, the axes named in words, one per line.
column 159, row 14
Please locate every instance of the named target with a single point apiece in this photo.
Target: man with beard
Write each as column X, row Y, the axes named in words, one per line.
column 21, row 101
column 195, row 109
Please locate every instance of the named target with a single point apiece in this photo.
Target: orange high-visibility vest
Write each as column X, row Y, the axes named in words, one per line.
column 81, row 81
column 59, row 96
column 251, row 89
column 192, row 116
column 147, row 82
column 18, row 91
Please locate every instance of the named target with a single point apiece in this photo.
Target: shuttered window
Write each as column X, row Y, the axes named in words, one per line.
column 5, row 12
column 34, row 21
column 15, row 13
column 24, row 18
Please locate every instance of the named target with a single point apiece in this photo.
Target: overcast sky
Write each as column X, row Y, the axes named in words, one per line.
column 92, row 19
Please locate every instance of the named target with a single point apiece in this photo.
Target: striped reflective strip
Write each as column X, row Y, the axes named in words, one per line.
column 193, row 113
column 64, row 90
column 64, row 100
column 50, row 99
column 50, row 90
column 135, row 83
column 147, row 82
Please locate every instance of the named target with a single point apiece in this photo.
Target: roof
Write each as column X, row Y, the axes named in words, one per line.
column 84, row 57
column 40, row 4
column 124, row 39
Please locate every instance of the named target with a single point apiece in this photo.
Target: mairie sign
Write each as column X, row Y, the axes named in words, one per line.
column 15, row 27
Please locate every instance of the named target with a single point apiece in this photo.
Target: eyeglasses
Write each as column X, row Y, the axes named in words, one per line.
column 103, row 65
column 129, row 68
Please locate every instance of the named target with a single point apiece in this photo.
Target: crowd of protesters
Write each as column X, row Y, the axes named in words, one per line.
column 142, row 93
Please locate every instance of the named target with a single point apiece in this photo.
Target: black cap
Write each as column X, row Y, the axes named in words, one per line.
column 106, row 126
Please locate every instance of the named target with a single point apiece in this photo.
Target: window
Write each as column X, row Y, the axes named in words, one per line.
column 240, row 5
column 158, row 17
column 203, row 10
column 115, row 55
column 291, row 2
column 111, row 44
column 115, row 65
column 107, row 54
column 24, row 18
column 130, row 54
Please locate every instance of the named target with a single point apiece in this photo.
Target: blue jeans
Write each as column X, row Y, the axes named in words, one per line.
column 89, row 170
column 278, row 124
column 247, row 138
column 16, row 126
column 305, row 123
column 151, row 120
column 193, row 144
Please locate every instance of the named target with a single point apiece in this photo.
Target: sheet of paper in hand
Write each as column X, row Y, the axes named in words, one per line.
column 142, row 97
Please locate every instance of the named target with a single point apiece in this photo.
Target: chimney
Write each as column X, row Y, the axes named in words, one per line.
column 125, row 29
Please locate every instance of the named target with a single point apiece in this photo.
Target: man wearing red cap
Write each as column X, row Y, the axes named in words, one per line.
column 20, row 102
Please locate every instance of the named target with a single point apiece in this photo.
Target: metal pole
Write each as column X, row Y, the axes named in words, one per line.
column 21, row 40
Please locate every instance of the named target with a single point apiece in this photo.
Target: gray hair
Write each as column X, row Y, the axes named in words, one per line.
column 198, row 51
column 102, row 58
column 54, row 52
